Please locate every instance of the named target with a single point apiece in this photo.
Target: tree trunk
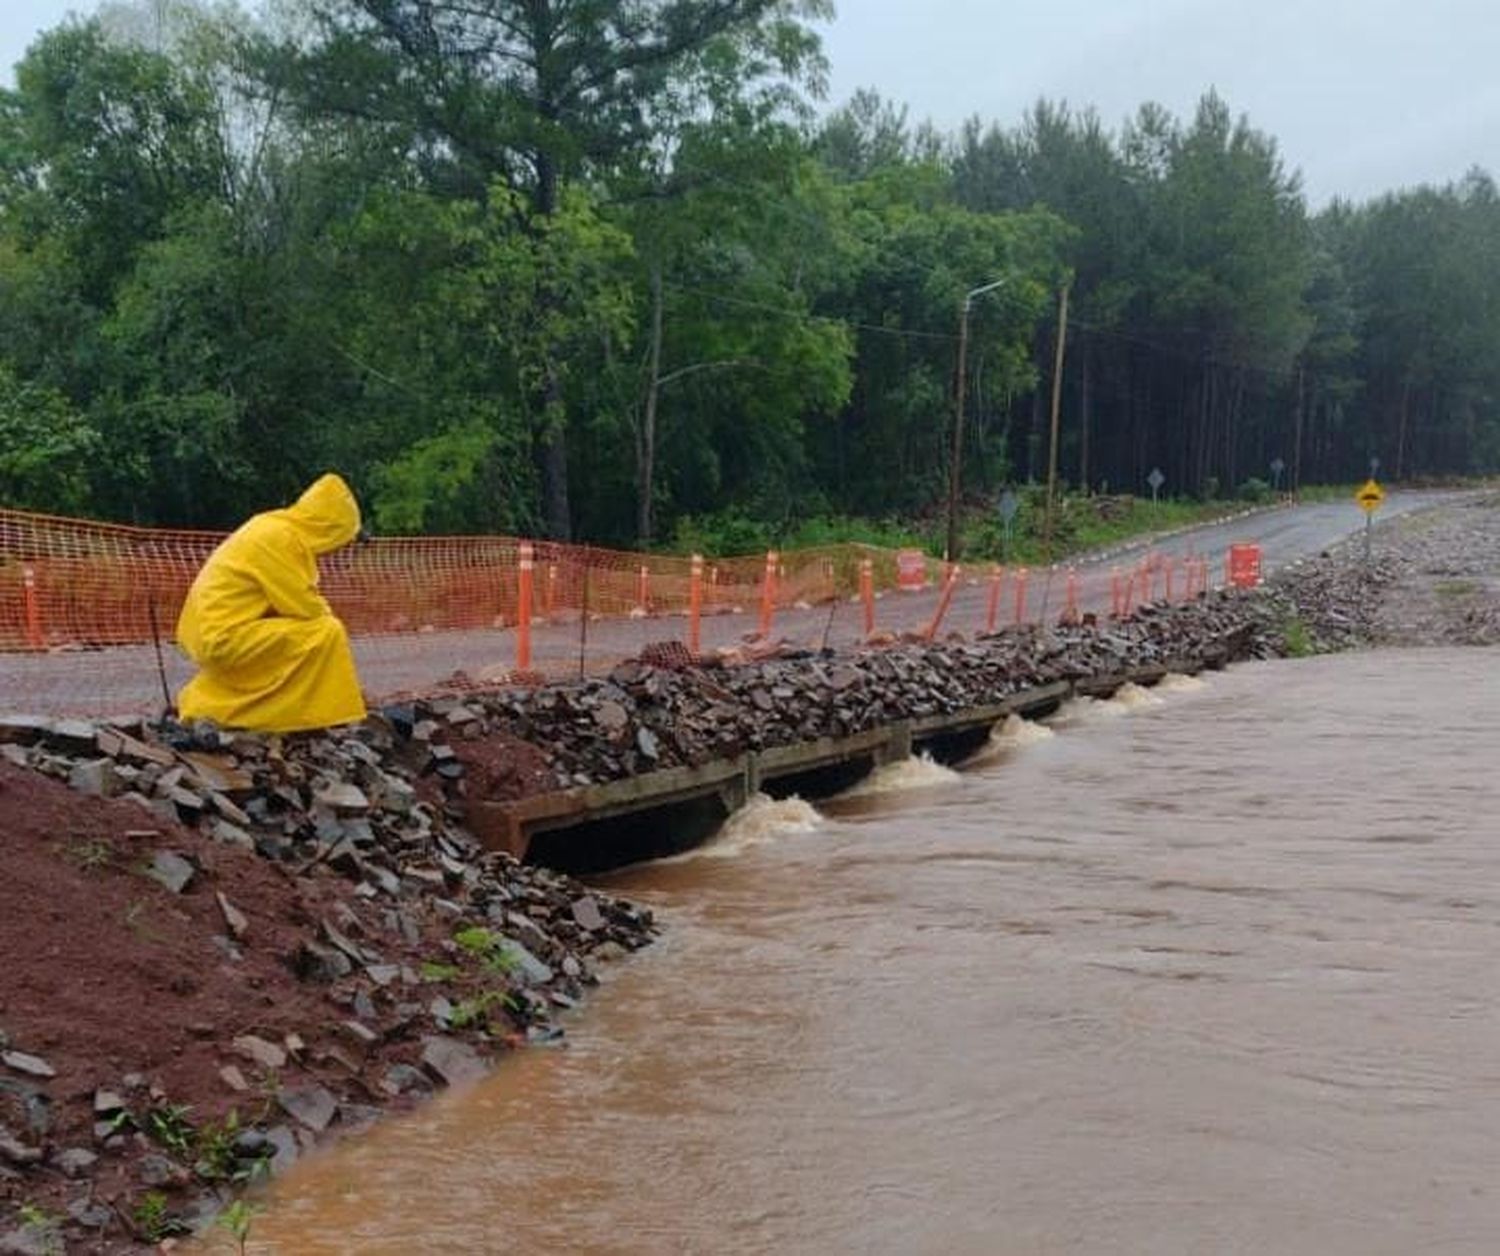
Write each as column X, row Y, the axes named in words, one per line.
column 1401, row 429
column 1205, row 413
column 553, row 434
column 1034, row 435
column 1231, row 429
column 1083, row 432
column 645, row 466
column 1297, row 435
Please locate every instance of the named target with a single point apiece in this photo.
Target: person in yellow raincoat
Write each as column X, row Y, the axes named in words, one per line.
column 272, row 655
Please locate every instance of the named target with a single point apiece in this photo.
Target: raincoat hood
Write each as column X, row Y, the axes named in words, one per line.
column 326, row 516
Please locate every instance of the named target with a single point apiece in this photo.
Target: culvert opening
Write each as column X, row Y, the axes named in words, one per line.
column 819, row 782
column 614, row 842
column 954, row 747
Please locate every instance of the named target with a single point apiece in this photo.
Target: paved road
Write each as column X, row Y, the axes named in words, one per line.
column 125, row 681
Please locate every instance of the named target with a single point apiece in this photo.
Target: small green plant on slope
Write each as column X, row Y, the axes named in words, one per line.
column 41, row 1227
column 152, row 1220
column 169, row 1126
column 495, row 953
column 236, row 1221
column 89, row 855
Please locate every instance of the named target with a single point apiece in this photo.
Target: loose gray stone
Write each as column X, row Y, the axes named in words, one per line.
column 231, row 835
column 314, row 1106
column 89, row 1215
column 31, row 1240
column 532, row 969
column 267, row 1054
column 155, row 1170
column 95, row 777
column 171, row 870
column 106, row 1103
column 321, row 963
column 343, row 796
column 31, row 1065
column 586, row 912
column 251, row 1144
column 75, row 1161
column 14, row 1151
column 400, row 1078
column 233, row 916
column 285, row 1142
column 450, row 1061
column 360, row 1032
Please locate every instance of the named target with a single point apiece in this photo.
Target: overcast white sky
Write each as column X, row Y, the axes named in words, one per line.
column 1363, row 95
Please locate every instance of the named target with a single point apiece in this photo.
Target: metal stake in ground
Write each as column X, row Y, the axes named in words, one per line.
column 583, row 618
column 168, row 709
column 1369, row 498
column 1009, row 505
column 1156, row 479
column 833, row 609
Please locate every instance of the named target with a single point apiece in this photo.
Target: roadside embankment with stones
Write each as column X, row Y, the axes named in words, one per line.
column 1433, row 578
column 217, row 950
column 220, row 948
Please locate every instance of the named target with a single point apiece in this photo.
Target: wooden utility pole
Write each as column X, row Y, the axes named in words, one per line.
column 956, row 459
column 1057, row 369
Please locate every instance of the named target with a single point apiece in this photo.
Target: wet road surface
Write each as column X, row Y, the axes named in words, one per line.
column 125, row 681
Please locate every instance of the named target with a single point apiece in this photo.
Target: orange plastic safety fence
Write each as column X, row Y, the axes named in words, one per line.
column 435, row 610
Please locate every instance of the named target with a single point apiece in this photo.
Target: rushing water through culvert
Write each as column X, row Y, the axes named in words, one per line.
column 1219, row 975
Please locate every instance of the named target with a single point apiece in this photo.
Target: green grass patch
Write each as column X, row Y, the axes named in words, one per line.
column 1080, row 524
column 1299, row 641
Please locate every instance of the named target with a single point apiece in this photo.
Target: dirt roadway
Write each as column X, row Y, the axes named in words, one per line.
column 125, row 681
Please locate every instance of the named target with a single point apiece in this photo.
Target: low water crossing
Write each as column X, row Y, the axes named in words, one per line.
column 1215, row 968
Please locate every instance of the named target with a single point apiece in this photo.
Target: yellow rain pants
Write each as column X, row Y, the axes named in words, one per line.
column 272, row 655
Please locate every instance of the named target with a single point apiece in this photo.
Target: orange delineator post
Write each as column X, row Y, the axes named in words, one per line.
column 695, row 603
column 523, row 608
column 1070, row 607
column 949, row 585
column 34, row 638
column 551, row 589
column 1021, row 575
column 867, row 593
column 768, row 595
column 1116, row 594
column 643, row 589
column 997, row 583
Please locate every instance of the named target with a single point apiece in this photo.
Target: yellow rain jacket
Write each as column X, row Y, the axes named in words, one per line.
column 273, row 656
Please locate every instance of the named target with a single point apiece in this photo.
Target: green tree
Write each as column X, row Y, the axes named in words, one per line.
column 537, row 95
column 45, row 448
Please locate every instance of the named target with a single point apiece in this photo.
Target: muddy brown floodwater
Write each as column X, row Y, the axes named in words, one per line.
column 1215, row 969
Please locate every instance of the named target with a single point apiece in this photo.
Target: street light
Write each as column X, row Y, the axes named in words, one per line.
column 955, row 469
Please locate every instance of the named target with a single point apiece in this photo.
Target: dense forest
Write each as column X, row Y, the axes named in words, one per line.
column 589, row 268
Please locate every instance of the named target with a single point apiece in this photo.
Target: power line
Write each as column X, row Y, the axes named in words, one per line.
column 802, row 316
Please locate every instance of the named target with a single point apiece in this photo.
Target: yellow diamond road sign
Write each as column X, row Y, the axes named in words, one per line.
column 1370, row 496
